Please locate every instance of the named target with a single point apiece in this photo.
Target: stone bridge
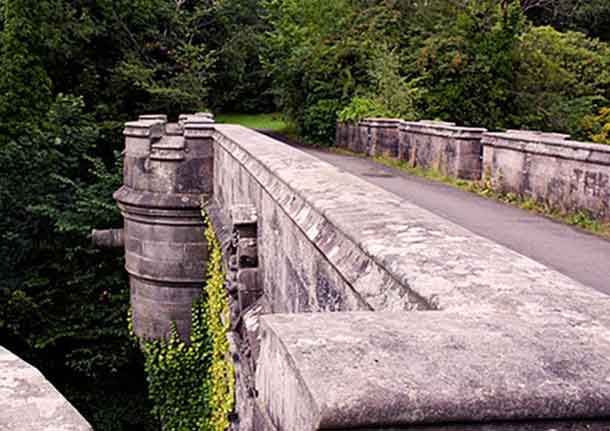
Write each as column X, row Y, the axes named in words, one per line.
column 352, row 308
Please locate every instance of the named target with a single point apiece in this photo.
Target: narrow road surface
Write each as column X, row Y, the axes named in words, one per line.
column 575, row 253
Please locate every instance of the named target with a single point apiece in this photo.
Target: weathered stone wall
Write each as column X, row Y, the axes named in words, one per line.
column 496, row 337
column 566, row 174
column 307, row 264
column 28, row 402
column 383, row 136
column 450, row 150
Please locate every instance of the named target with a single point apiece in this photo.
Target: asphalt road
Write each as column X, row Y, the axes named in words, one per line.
column 569, row 250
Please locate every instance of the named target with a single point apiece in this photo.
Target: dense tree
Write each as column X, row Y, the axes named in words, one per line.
column 468, row 66
column 588, row 16
column 72, row 72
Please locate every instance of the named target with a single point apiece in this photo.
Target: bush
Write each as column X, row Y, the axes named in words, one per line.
column 597, row 127
column 319, row 122
column 362, row 107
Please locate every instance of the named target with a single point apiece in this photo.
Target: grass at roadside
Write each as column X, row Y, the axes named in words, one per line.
column 580, row 218
column 273, row 121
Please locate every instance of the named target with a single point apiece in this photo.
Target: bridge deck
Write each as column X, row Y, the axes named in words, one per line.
column 573, row 252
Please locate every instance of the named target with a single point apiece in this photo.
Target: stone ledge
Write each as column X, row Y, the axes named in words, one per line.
column 551, row 145
column 28, row 402
column 371, row 282
column 449, row 130
column 359, row 370
column 393, row 123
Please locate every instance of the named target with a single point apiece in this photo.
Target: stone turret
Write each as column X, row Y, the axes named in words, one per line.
column 167, row 173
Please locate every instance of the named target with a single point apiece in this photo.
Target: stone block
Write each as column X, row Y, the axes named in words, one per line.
column 399, row 370
column 342, row 134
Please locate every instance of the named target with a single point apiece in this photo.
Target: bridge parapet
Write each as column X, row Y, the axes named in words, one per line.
column 431, row 323
column 567, row 175
column 28, row 402
column 549, row 167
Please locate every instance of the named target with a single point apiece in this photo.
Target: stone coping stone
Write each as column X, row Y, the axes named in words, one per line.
column 377, row 240
column 382, row 122
column 144, row 129
column 439, row 128
column 552, row 145
column 28, row 402
column 358, row 370
column 539, row 133
column 148, row 117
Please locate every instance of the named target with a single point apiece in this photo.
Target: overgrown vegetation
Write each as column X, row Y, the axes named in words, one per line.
column 191, row 384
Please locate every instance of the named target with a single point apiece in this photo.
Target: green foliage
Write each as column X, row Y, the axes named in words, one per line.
column 468, row 67
column 597, row 127
column 399, row 97
column 72, row 73
column 362, row 107
column 391, row 95
column 220, row 381
column 559, row 79
column 478, row 63
column 191, row 384
column 587, row 16
column 317, row 54
column 25, row 88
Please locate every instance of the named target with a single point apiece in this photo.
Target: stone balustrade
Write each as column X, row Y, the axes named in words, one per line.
column 451, row 150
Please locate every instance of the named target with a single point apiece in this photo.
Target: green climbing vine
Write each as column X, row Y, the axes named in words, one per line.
column 191, row 384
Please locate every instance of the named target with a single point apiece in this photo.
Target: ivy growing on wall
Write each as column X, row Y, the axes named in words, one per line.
column 192, row 384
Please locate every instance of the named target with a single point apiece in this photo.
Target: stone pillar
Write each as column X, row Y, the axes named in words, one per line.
column 342, row 134
column 353, row 136
column 167, row 173
column 383, row 134
column 404, row 142
column 362, row 143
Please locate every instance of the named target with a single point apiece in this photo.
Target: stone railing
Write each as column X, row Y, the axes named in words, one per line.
column 28, row 402
column 372, row 313
column 567, row 175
